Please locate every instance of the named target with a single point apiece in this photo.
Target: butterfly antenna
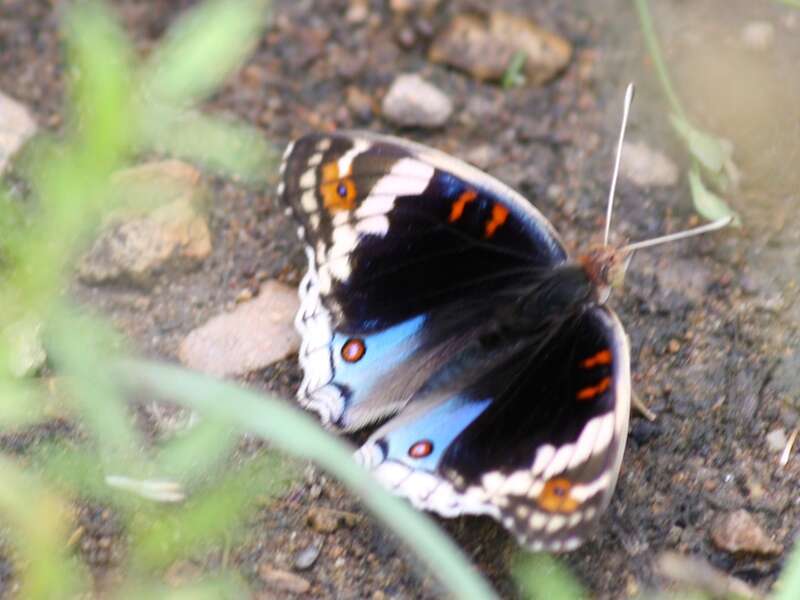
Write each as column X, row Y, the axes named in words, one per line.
column 625, row 110
column 713, row 226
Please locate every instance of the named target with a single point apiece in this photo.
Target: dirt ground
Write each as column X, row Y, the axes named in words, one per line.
column 712, row 321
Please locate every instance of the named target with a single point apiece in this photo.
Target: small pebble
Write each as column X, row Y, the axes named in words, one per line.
column 738, row 532
column 16, row 127
column 283, row 581
column 776, row 440
column 674, row 346
column 413, row 102
column 254, row 335
column 244, row 295
column 322, row 520
column 306, row 558
column 647, row 167
column 758, row 35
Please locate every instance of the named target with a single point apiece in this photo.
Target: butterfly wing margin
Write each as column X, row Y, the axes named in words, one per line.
column 549, row 495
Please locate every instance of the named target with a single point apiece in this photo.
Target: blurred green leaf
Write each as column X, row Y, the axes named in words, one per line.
column 80, row 349
column 708, row 204
column 514, row 76
column 36, row 522
column 297, row 434
column 101, row 62
column 210, row 515
column 193, row 453
column 203, row 48
column 541, row 577
column 220, row 144
column 712, row 152
column 21, row 402
column 788, row 585
column 217, row 588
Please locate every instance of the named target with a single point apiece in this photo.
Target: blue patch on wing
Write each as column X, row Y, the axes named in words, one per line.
column 384, row 350
column 439, row 425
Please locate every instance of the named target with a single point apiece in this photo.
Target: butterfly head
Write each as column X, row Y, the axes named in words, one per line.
column 605, row 266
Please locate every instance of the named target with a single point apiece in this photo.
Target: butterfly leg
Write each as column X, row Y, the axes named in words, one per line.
column 641, row 408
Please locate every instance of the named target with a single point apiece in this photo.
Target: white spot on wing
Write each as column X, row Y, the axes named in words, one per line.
column 308, row 201
column 543, row 457
column 346, row 160
column 560, row 461
column 373, row 226
column 537, row 521
column 517, row 484
column 584, row 491
column 586, row 442
column 308, row 179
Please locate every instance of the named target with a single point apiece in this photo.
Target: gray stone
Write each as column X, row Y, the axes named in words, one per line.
column 758, row 35
column 306, row 558
column 413, row 102
column 647, row 167
column 256, row 334
column 776, row 440
column 16, row 127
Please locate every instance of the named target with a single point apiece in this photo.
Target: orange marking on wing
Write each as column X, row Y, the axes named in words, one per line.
column 458, row 206
column 591, row 391
column 601, row 358
column 555, row 496
column 499, row 216
column 337, row 189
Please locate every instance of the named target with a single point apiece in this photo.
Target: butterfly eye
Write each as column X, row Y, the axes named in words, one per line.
column 353, row 350
column 421, row 449
column 342, row 190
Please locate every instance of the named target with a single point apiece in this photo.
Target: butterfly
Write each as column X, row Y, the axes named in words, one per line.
column 441, row 307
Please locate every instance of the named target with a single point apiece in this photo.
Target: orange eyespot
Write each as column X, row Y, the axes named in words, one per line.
column 555, row 496
column 353, row 350
column 337, row 189
column 421, row 449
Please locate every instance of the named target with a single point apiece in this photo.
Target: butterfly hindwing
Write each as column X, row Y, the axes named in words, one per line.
column 537, row 446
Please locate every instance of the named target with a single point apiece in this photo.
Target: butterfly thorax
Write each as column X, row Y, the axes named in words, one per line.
column 605, row 267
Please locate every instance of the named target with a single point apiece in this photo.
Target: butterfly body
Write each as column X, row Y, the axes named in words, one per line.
column 441, row 306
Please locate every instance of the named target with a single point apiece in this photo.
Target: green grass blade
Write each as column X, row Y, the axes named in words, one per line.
column 202, row 49
column 299, row 435
column 653, row 47
column 788, row 586
column 708, row 204
column 541, row 577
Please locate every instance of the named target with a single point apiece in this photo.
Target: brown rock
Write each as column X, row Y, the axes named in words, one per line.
column 326, row 520
column 738, row 532
column 256, row 334
column 485, row 49
column 323, row 520
column 283, row 581
column 137, row 245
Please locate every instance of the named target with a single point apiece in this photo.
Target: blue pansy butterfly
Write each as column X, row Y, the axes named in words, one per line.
column 441, row 305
